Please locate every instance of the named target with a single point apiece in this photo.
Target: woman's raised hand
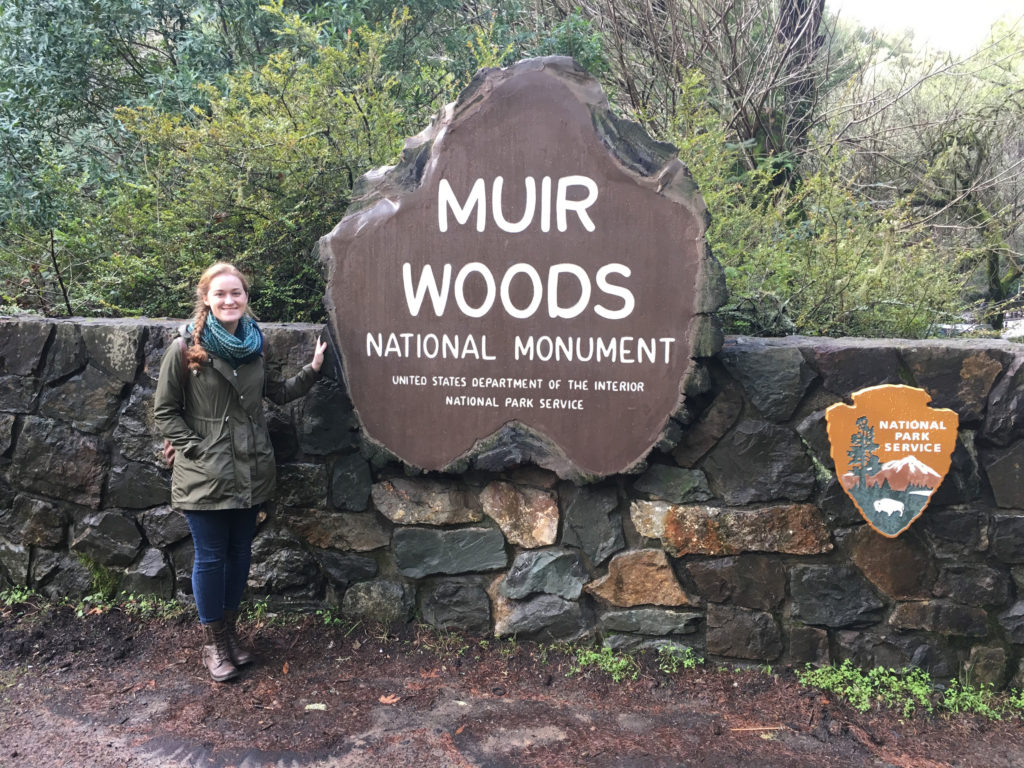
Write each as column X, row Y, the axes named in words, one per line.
column 318, row 354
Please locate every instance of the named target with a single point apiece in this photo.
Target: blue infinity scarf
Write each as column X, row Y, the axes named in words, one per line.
column 242, row 346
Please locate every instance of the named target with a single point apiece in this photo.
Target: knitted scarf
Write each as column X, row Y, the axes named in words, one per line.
column 242, row 346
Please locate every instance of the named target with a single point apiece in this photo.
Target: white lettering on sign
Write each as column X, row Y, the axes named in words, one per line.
column 562, row 279
column 477, row 201
column 428, row 345
column 584, row 349
column 912, row 448
column 915, row 424
column 469, row 400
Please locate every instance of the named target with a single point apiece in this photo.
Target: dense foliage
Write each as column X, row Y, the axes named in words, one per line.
column 856, row 187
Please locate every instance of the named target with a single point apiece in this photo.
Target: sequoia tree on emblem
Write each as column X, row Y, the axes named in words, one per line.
column 891, row 453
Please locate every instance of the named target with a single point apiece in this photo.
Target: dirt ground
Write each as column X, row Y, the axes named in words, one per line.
column 115, row 690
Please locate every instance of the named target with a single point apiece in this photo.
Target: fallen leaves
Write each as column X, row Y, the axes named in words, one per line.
column 389, row 698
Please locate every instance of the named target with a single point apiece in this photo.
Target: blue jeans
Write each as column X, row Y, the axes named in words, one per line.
column 223, row 543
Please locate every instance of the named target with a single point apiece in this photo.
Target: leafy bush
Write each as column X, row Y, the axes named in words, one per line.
column 810, row 257
column 257, row 177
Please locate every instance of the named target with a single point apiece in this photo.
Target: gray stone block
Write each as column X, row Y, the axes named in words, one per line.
column 344, row 568
column 58, row 574
column 14, row 563
column 281, row 565
column 590, row 521
column 1004, row 420
column 847, row 365
column 380, row 600
column 302, row 485
column 421, row 552
column 22, row 342
column 957, row 374
column 1006, row 540
column 545, row 617
column 114, row 347
column 1005, row 470
column 456, row 604
column 150, row 575
column 759, row 461
column 943, row 616
column 833, row 596
column 164, row 526
column 974, row 584
column 773, row 374
column 108, row 538
column 649, row 621
column 350, row 483
column 741, row 633
column 987, row 665
column 67, row 354
column 1012, row 622
column 35, row 522
column 89, row 401
column 673, row 484
column 549, row 571
column 134, row 485
column 54, row 460
column 749, row 581
column 135, row 434
column 419, row 501
column 325, row 422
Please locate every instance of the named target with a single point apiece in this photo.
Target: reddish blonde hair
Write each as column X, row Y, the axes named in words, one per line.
column 197, row 356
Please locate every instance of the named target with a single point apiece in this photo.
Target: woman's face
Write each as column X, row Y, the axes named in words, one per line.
column 227, row 299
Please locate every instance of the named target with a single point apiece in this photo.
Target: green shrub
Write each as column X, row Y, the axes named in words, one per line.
column 620, row 666
column 905, row 691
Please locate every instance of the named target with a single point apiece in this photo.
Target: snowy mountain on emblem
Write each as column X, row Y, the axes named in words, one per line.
column 908, row 471
column 901, row 474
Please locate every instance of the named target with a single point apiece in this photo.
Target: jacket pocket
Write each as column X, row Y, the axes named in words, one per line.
column 208, row 475
column 263, row 459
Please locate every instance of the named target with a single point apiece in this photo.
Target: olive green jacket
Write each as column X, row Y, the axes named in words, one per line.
column 215, row 421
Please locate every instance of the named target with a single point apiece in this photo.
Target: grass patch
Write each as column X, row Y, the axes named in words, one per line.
column 443, row 643
column 910, row 692
column 671, row 659
column 13, row 596
column 104, row 580
column 619, row 666
column 151, row 606
column 980, row 701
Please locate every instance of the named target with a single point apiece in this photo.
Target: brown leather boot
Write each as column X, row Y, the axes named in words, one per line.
column 217, row 654
column 239, row 654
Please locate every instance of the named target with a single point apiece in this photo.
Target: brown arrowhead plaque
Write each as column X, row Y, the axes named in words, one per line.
column 891, row 452
column 530, row 282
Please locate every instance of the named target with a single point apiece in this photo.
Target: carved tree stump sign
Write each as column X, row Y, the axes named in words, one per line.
column 529, row 282
column 891, row 452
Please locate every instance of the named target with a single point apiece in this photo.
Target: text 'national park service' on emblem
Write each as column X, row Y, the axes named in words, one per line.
column 891, row 452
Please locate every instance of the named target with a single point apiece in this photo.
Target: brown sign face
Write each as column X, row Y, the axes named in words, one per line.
column 512, row 269
column 891, row 452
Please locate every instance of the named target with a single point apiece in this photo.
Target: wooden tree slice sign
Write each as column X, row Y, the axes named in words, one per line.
column 891, row 452
column 530, row 283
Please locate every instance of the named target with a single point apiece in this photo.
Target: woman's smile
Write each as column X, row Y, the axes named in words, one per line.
column 227, row 300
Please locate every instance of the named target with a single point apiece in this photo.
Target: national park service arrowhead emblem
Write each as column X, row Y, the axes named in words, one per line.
column 891, row 452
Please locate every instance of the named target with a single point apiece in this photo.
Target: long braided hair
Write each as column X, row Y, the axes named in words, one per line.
column 198, row 356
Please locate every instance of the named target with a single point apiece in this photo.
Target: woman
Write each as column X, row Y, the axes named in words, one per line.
column 209, row 407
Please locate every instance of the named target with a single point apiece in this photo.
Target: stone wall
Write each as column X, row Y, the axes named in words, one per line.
column 736, row 540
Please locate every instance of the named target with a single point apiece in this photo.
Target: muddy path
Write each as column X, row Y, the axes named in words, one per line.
column 113, row 690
